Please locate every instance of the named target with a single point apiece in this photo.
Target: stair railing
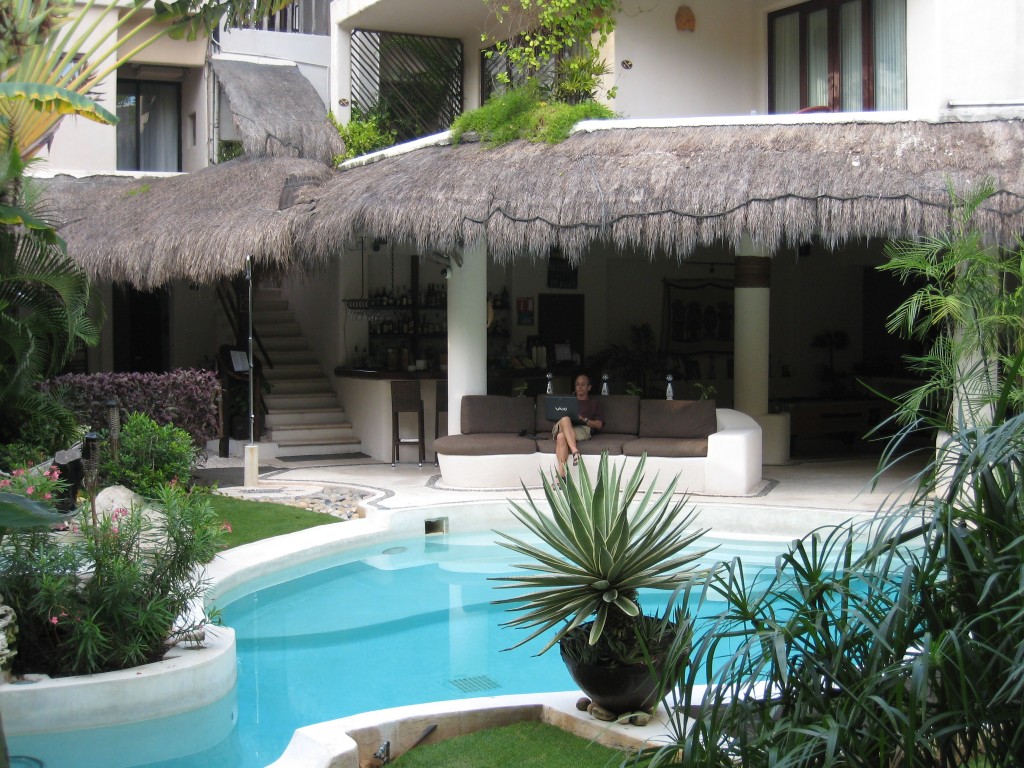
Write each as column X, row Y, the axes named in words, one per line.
column 234, row 298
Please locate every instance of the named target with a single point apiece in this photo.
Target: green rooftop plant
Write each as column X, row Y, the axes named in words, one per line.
column 524, row 113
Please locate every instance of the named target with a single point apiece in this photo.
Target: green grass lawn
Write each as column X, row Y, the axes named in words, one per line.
column 523, row 745
column 255, row 520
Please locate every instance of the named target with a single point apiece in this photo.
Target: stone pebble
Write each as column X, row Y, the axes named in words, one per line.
column 342, row 503
column 338, row 501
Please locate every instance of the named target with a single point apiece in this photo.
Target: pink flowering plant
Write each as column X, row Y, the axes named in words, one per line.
column 40, row 483
column 114, row 595
column 27, row 498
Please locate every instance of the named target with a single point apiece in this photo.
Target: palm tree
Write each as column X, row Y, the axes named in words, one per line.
column 46, row 312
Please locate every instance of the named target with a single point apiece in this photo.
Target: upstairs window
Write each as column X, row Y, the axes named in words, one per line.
column 149, row 125
column 838, row 55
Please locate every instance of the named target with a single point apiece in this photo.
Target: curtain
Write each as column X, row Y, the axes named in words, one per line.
column 851, row 58
column 817, row 59
column 159, row 126
column 890, row 21
column 786, row 63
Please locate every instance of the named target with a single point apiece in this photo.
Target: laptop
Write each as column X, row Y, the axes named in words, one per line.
column 557, row 406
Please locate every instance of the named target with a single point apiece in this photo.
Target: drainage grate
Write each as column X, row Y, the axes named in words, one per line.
column 475, row 684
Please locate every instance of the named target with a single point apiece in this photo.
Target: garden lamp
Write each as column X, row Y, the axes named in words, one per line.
column 114, row 427
column 91, row 464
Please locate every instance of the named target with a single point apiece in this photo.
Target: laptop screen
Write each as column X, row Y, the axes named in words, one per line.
column 557, row 406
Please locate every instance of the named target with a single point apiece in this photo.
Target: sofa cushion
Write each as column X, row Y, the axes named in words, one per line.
column 483, row 414
column 667, row 447
column 484, row 444
column 678, row 419
column 599, row 442
column 621, row 415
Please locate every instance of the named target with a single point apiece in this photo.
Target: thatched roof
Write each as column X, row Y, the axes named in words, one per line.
column 277, row 112
column 197, row 226
column 670, row 190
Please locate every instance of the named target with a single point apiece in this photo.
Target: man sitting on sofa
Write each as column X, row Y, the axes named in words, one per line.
column 566, row 434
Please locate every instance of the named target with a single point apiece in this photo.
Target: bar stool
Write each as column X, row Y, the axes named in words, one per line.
column 405, row 398
column 440, row 406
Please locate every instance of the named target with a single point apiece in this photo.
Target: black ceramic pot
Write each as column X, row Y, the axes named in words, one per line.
column 619, row 689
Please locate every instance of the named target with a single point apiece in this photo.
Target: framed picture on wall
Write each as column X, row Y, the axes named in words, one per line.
column 524, row 310
column 697, row 316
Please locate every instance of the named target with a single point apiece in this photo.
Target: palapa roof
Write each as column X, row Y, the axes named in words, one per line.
column 658, row 190
column 672, row 189
column 276, row 111
column 197, row 227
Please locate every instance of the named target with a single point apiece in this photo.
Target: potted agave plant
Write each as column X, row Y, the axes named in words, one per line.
column 597, row 549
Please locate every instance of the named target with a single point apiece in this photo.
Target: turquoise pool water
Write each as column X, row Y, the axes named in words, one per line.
column 400, row 623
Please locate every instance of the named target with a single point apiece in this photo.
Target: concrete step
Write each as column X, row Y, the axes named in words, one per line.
column 284, row 357
column 277, row 330
column 302, row 416
column 280, row 401
column 282, row 371
column 302, row 434
column 285, row 343
column 301, row 387
column 319, row 449
column 261, row 318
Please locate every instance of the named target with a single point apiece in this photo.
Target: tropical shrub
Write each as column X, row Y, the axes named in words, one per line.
column 571, row 33
column 47, row 310
column 908, row 654
column 111, row 597
column 365, row 132
column 598, row 550
column 150, row 456
column 185, row 397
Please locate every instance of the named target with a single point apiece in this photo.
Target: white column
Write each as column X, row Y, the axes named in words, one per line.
column 750, row 364
column 467, row 331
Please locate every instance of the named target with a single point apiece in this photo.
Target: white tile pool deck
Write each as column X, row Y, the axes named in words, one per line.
column 795, row 499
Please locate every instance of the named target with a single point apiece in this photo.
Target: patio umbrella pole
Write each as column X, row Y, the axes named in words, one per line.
column 252, row 450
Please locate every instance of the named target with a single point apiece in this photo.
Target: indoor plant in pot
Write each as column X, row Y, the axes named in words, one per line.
column 598, row 548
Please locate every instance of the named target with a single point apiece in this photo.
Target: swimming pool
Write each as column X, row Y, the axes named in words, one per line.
column 394, row 622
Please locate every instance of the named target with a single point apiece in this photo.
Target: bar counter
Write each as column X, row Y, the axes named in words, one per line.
column 366, row 396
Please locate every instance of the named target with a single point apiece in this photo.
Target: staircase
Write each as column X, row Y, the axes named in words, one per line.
column 304, row 417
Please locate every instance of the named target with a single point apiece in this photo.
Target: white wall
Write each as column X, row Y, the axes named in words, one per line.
column 714, row 70
column 964, row 51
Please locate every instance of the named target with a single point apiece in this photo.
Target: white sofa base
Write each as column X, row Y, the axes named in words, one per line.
column 731, row 468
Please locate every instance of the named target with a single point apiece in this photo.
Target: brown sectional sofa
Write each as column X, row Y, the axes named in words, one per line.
column 506, row 441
